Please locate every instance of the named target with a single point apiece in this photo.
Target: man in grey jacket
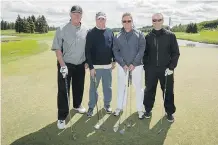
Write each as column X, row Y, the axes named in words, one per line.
column 129, row 47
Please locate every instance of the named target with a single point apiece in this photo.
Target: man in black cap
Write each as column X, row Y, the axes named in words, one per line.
column 69, row 46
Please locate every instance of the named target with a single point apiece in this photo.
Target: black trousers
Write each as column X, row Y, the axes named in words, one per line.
column 152, row 75
column 76, row 75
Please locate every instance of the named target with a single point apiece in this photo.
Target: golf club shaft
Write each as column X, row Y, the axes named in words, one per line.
column 68, row 101
column 95, row 86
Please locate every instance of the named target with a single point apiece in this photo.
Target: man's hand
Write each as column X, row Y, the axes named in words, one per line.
column 113, row 65
column 92, row 73
column 86, row 65
column 131, row 67
column 125, row 68
column 64, row 71
column 168, row 72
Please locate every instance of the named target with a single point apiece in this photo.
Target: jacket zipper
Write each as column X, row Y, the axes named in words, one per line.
column 157, row 52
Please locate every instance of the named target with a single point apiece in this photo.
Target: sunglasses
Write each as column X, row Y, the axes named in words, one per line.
column 128, row 21
column 157, row 20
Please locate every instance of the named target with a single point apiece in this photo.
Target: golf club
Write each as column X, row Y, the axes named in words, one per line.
column 129, row 121
column 165, row 86
column 122, row 131
column 124, row 91
column 68, row 102
column 97, row 126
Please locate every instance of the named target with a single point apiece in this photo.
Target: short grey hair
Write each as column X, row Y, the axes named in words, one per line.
column 127, row 14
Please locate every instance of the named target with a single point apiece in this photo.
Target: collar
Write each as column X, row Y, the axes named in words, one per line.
column 100, row 28
column 162, row 31
column 124, row 31
column 76, row 27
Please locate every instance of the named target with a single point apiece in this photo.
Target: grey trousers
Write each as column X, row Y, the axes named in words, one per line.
column 106, row 76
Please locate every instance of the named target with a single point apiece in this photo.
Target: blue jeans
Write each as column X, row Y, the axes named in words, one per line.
column 106, row 75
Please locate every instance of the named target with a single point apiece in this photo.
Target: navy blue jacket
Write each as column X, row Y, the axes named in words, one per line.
column 99, row 44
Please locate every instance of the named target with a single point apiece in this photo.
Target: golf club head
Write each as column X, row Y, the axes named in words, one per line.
column 103, row 128
column 116, row 128
column 97, row 126
column 122, row 131
column 74, row 136
column 160, row 131
column 129, row 124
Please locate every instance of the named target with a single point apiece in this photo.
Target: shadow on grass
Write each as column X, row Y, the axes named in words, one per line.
column 139, row 134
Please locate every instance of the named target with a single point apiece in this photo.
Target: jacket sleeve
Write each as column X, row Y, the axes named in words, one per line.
column 113, row 57
column 142, row 44
column 174, row 52
column 146, row 57
column 116, row 52
column 88, row 48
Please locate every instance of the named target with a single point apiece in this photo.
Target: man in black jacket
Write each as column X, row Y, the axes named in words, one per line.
column 100, row 58
column 160, row 59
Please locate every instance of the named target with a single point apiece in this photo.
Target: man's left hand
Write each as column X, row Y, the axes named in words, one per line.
column 86, row 65
column 168, row 72
column 131, row 67
column 113, row 65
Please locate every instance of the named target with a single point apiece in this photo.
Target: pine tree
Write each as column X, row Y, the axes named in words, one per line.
column 2, row 24
column 32, row 27
column 18, row 24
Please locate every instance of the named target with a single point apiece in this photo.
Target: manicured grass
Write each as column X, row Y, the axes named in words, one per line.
column 13, row 50
column 29, row 107
column 24, row 36
column 203, row 36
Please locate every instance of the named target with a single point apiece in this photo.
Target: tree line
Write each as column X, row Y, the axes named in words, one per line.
column 29, row 24
column 195, row 27
column 7, row 25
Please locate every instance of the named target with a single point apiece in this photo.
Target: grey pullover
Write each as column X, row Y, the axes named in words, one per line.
column 129, row 47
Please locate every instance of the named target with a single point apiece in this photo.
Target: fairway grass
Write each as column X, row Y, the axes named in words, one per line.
column 14, row 50
column 210, row 37
column 203, row 36
column 34, row 123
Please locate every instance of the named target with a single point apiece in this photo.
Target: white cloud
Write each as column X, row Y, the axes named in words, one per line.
column 57, row 12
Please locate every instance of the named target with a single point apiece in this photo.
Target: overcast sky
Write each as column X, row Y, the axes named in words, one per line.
column 57, row 11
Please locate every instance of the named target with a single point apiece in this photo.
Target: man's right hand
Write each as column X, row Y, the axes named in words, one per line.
column 92, row 73
column 125, row 68
column 64, row 71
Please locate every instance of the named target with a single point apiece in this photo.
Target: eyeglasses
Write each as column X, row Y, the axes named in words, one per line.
column 127, row 21
column 157, row 20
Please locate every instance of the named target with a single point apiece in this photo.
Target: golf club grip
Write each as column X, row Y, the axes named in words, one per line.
column 130, row 78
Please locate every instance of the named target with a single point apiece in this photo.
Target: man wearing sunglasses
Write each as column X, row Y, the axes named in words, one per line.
column 69, row 46
column 160, row 59
column 101, row 61
column 129, row 47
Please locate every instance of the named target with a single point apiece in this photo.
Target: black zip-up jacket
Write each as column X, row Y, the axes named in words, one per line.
column 161, row 49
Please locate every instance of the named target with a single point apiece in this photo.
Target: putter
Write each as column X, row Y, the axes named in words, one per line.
column 122, row 131
column 97, row 126
column 101, row 114
column 124, row 91
column 165, row 86
column 129, row 121
column 68, row 100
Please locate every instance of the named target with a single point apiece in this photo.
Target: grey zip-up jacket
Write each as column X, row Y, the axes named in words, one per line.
column 128, row 48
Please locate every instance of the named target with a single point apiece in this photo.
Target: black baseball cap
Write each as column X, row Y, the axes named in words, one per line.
column 76, row 9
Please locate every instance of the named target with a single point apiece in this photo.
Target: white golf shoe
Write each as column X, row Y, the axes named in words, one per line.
column 61, row 124
column 81, row 109
column 141, row 114
column 117, row 112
